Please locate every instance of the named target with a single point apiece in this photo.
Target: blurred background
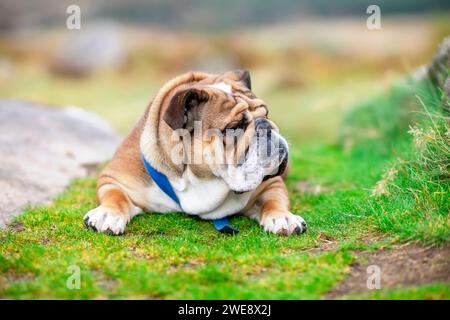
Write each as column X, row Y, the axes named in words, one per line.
column 310, row 60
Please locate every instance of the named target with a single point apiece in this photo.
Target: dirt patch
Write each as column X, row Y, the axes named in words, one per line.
column 327, row 243
column 107, row 283
column 10, row 276
column 17, row 227
column 190, row 264
column 104, row 281
column 156, row 234
column 405, row 265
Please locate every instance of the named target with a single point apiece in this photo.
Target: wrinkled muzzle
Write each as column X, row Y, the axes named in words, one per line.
column 272, row 149
column 265, row 157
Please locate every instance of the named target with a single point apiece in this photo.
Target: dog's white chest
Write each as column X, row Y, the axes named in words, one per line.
column 209, row 199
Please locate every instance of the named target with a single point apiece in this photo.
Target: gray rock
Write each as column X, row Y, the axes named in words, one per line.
column 42, row 149
column 92, row 48
column 440, row 63
column 438, row 71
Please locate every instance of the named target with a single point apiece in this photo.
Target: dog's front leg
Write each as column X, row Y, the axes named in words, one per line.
column 274, row 214
column 113, row 213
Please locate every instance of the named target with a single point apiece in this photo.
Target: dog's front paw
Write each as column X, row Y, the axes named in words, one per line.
column 104, row 220
column 284, row 223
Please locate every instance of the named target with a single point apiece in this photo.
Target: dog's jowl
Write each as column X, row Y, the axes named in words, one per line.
column 204, row 146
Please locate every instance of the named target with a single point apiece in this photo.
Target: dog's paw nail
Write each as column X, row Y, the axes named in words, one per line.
column 110, row 232
column 102, row 220
column 304, row 227
column 284, row 223
column 88, row 224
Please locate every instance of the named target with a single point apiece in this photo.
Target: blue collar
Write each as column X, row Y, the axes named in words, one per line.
column 163, row 183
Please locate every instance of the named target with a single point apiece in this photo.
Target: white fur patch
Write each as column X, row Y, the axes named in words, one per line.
column 208, row 199
column 222, row 86
column 102, row 219
column 250, row 174
column 283, row 223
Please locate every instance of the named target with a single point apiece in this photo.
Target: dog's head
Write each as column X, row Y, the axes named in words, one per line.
column 218, row 127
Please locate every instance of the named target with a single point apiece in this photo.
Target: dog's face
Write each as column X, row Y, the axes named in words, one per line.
column 230, row 135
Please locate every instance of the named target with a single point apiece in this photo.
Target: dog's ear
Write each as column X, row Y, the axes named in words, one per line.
column 181, row 104
column 240, row 75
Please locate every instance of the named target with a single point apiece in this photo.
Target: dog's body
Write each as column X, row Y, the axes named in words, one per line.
column 204, row 188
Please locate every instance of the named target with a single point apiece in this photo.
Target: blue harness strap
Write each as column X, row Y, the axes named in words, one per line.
column 161, row 181
column 224, row 226
column 221, row 225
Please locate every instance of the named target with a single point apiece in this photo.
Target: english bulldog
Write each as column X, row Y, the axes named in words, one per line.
column 249, row 181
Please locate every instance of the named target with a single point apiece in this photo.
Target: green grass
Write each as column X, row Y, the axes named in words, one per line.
column 172, row 256
column 409, row 149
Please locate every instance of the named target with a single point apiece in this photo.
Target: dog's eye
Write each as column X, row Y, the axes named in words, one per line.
column 240, row 124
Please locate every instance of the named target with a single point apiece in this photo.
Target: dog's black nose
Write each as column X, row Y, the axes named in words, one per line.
column 263, row 129
column 270, row 146
column 264, row 137
column 262, row 124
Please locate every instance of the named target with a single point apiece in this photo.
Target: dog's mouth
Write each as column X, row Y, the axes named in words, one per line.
column 266, row 157
column 281, row 167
